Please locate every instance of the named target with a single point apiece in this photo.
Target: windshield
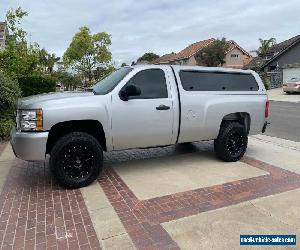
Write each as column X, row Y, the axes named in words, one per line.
column 107, row 84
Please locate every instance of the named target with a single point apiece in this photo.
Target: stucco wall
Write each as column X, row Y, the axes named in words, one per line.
column 236, row 62
column 231, row 62
column 191, row 61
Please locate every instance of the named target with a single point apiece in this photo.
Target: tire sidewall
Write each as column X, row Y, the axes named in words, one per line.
column 56, row 157
column 222, row 140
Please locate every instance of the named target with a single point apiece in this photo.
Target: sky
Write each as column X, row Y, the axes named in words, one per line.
column 159, row 26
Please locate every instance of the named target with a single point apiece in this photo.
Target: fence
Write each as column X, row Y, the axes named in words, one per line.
column 275, row 78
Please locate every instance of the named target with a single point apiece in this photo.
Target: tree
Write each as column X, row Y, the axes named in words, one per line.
column 265, row 45
column 68, row 80
column 13, row 20
column 14, row 59
column 47, row 61
column 18, row 58
column 87, row 52
column 101, row 72
column 21, row 61
column 9, row 93
column 148, row 57
column 214, row 54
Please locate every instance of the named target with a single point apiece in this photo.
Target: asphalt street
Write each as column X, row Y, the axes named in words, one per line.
column 285, row 120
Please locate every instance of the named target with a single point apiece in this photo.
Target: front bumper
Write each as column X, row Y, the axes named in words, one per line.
column 29, row 146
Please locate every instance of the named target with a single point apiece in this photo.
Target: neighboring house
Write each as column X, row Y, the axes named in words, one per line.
column 142, row 62
column 236, row 56
column 3, row 33
column 280, row 63
column 187, row 55
column 165, row 59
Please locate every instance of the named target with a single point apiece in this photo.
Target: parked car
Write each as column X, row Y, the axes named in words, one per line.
column 140, row 107
column 292, row 86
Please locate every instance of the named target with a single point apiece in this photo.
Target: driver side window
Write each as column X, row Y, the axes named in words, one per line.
column 152, row 83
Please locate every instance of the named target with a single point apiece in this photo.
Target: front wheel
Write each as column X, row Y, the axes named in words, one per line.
column 76, row 160
column 232, row 141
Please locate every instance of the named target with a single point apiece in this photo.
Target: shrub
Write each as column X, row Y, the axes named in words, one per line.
column 9, row 94
column 266, row 84
column 33, row 85
column 265, row 81
column 5, row 126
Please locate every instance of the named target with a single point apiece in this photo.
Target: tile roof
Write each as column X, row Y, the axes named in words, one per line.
column 165, row 58
column 255, row 63
column 233, row 45
column 192, row 49
column 280, row 47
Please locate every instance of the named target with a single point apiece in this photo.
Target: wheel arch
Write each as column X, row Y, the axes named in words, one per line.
column 92, row 127
column 243, row 118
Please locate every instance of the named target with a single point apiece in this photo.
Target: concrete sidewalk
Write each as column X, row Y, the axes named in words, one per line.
column 177, row 197
column 279, row 96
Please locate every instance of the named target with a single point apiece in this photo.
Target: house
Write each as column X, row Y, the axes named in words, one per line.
column 280, row 63
column 236, row 56
column 187, row 55
column 165, row 59
column 3, row 33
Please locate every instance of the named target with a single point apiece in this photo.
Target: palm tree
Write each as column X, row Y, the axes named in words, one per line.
column 52, row 59
column 48, row 60
column 265, row 45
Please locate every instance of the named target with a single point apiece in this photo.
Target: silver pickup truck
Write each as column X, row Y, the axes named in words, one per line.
column 140, row 107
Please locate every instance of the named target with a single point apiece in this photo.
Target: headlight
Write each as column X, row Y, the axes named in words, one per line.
column 30, row 120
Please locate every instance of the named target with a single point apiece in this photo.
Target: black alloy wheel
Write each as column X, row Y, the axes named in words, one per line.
column 76, row 160
column 231, row 143
column 235, row 143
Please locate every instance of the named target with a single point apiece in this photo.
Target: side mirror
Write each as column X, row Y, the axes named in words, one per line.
column 129, row 91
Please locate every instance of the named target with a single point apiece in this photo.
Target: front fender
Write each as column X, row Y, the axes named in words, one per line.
column 92, row 108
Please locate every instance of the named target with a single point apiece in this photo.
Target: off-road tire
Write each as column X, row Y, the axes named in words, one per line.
column 231, row 143
column 86, row 150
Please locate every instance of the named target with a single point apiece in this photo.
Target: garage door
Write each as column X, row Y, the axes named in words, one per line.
column 290, row 73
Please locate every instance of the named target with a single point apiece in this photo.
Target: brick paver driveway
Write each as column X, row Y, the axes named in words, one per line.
column 132, row 203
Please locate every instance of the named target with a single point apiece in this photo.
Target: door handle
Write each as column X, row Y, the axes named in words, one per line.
column 162, row 107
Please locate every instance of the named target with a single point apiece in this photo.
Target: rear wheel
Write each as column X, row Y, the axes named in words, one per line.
column 232, row 141
column 76, row 160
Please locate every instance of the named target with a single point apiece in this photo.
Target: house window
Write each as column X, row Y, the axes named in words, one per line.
column 234, row 55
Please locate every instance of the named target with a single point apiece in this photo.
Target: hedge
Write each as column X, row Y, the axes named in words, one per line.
column 33, row 85
column 9, row 94
column 5, row 127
